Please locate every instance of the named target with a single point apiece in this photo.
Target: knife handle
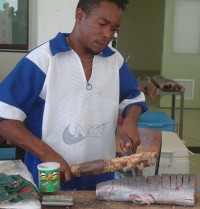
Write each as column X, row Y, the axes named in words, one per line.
column 129, row 150
column 88, row 168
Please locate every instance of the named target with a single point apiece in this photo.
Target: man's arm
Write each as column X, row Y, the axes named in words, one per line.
column 16, row 132
column 132, row 104
column 128, row 131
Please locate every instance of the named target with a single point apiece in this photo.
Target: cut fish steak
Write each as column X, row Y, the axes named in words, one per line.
column 165, row 189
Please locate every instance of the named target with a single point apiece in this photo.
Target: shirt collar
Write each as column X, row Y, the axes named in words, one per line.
column 59, row 44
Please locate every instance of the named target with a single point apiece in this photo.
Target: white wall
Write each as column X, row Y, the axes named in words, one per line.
column 54, row 16
column 47, row 18
column 7, row 62
column 141, row 34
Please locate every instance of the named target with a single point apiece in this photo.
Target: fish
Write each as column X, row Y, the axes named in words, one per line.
column 170, row 189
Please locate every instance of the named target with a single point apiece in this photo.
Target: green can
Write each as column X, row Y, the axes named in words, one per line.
column 49, row 176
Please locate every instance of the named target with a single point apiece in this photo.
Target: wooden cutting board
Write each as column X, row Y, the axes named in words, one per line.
column 87, row 200
column 151, row 141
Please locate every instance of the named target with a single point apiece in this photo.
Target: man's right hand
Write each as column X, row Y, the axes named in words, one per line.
column 52, row 156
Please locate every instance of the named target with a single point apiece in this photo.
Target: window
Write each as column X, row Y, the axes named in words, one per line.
column 186, row 34
column 13, row 25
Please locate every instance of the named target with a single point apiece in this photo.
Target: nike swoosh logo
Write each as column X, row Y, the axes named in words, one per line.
column 81, row 133
column 70, row 139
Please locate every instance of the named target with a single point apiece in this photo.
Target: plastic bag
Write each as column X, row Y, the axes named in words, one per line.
column 17, row 167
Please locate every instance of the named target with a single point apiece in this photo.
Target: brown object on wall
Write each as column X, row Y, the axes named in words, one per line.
column 166, row 84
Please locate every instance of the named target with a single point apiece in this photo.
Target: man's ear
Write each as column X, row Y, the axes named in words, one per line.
column 79, row 15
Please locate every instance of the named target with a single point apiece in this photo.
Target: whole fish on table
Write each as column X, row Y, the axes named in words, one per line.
column 165, row 189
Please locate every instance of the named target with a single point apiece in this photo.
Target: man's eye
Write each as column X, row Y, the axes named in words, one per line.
column 115, row 30
column 102, row 24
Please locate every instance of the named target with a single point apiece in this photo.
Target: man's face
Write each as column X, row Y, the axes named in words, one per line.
column 98, row 28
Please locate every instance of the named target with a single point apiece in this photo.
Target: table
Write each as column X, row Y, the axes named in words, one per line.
column 174, row 94
column 87, row 200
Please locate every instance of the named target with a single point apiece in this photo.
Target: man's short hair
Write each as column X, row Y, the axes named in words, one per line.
column 88, row 5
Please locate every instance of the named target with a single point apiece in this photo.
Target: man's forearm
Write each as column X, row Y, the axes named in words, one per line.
column 132, row 114
column 15, row 132
column 128, row 131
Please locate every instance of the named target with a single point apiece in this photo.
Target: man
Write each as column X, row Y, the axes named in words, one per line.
column 61, row 101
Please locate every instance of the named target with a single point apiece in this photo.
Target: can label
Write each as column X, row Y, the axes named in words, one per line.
column 49, row 179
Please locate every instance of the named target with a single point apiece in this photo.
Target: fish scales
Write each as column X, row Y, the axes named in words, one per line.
column 185, row 183
column 166, row 181
column 193, row 180
column 173, row 182
column 158, row 182
column 179, row 180
column 151, row 182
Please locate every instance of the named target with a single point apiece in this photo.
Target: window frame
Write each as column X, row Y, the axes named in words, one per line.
column 18, row 47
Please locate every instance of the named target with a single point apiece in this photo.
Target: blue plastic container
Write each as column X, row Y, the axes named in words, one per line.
column 156, row 121
column 7, row 153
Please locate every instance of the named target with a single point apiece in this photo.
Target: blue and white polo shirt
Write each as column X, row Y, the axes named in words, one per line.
column 47, row 90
